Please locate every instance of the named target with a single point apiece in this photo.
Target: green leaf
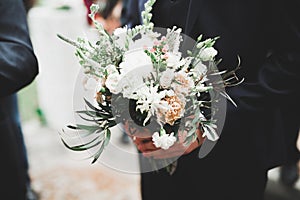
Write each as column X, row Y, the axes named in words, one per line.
column 107, row 139
column 95, row 114
column 105, row 108
column 97, row 155
column 71, row 42
column 91, row 129
column 91, row 106
column 72, row 127
column 82, row 147
column 111, row 123
column 64, row 7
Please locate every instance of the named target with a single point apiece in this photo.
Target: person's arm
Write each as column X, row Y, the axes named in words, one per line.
column 18, row 64
column 278, row 78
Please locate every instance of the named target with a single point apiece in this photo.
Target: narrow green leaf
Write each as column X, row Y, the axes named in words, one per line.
column 107, row 139
column 97, row 155
column 88, row 128
column 82, row 147
column 91, row 106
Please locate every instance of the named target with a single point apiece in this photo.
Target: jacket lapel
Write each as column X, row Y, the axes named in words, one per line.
column 194, row 8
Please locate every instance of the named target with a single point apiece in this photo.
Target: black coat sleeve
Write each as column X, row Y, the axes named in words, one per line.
column 18, row 64
column 278, row 78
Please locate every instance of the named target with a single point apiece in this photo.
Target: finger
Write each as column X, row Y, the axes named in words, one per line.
column 147, row 147
column 192, row 147
column 174, row 151
column 139, row 141
column 162, row 154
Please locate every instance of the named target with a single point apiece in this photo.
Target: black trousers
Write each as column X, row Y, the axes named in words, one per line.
column 222, row 175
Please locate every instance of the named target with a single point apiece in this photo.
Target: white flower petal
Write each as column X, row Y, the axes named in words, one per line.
column 164, row 141
column 208, row 54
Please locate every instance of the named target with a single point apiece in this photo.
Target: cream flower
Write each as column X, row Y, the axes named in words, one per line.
column 183, row 83
column 175, row 111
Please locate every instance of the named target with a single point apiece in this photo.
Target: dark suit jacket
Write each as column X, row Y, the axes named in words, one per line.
column 18, row 67
column 266, row 35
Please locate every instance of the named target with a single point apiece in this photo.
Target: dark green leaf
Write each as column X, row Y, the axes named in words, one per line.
column 107, row 139
column 97, row 155
column 83, row 147
column 72, row 127
column 88, row 128
column 91, row 106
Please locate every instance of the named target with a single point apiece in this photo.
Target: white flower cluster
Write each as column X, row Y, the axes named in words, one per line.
column 150, row 70
column 146, row 67
column 155, row 74
column 163, row 140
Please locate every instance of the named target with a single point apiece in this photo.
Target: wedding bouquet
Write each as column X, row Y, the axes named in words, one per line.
column 140, row 75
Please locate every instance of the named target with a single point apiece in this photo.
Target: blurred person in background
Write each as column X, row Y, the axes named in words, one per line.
column 29, row 4
column 109, row 14
column 30, row 193
column 18, row 68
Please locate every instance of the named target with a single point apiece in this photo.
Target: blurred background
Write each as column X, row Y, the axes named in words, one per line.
column 47, row 105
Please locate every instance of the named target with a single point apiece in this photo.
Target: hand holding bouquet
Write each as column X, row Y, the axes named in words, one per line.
column 143, row 78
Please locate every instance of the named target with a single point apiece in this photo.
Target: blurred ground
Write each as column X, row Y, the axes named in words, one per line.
column 58, row 174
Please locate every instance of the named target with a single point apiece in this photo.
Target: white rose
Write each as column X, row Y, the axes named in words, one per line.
column 134, row 59
column 112, row 83
column 167, row 78
column 208, row 54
